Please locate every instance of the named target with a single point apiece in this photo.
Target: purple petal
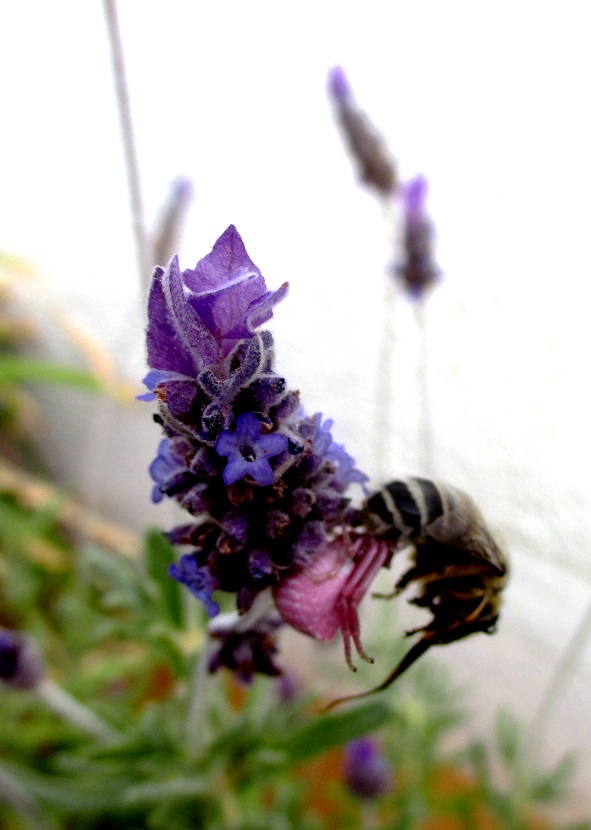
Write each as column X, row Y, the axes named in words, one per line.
column 261, row 310
column 227, row 262
column 228, row 292
column 199, row 581
column 272, row 444
column 177, row 340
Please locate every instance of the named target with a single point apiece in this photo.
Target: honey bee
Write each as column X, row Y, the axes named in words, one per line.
column 457, row 567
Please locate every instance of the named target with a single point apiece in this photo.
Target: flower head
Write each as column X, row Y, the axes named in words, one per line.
column 376, row 166
column 264, row 483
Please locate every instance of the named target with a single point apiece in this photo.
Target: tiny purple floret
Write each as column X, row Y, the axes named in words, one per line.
column 248, row 450
column 198, row 580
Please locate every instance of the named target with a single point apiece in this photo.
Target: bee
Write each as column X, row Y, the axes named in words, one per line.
column 457, row 567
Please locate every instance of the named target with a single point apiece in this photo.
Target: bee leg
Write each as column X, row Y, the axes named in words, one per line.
column 409, row 658
column 371, row 555
column 405, row 580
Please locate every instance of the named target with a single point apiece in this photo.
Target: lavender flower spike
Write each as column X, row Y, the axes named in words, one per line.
column 376, row 166
column 264, row 483
column 416, row 269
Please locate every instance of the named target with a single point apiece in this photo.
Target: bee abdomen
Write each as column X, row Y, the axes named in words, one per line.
column 405, row 507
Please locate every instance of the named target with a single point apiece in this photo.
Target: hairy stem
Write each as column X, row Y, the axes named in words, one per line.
column 144, row 258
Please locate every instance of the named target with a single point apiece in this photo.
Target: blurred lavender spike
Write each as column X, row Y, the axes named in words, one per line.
column 416, row 268
column 367, row 773
column 376, row 166
column 169, row 228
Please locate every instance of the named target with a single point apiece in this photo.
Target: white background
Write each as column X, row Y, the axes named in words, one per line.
column 491, row 102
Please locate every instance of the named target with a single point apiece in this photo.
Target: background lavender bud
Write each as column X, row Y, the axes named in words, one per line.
column 246, row 652
column 21, row 663
column 376, row 165
column 168, row 232
column 366, row 771
column 416, row 268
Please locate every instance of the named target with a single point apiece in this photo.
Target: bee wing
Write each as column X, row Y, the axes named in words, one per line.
column 465, row 531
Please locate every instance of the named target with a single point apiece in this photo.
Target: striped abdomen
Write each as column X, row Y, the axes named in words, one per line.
column 404, row 507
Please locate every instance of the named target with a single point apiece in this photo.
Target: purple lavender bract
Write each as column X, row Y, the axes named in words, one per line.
column 367, row 773
column 21, row 664
column 263, row 482
column 416, row 270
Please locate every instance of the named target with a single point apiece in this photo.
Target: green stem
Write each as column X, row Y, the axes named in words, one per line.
column 73, row 711
column 198, row 706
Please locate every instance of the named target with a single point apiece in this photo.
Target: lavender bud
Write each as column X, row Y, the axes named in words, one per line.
column 21, row 664
column 366, row 771
column 376, row 166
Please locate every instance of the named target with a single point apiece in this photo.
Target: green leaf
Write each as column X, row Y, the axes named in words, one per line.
column 159, row 556
column 551, row 786
column 327, row 731
column 24, row 370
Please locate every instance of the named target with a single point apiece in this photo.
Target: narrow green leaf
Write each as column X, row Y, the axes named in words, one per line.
column 159, row 556
column 327, row 731
column 24, row 370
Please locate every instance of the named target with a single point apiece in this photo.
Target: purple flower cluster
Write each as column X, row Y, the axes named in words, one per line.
column 263, row 482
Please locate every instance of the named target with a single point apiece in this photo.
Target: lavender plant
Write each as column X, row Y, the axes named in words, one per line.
column 98, row 649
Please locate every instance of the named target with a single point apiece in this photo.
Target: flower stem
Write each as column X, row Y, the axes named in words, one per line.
column 425, row 433
column 72, row 710
column 131, row 161
column 383, row 404
column 197, row 714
